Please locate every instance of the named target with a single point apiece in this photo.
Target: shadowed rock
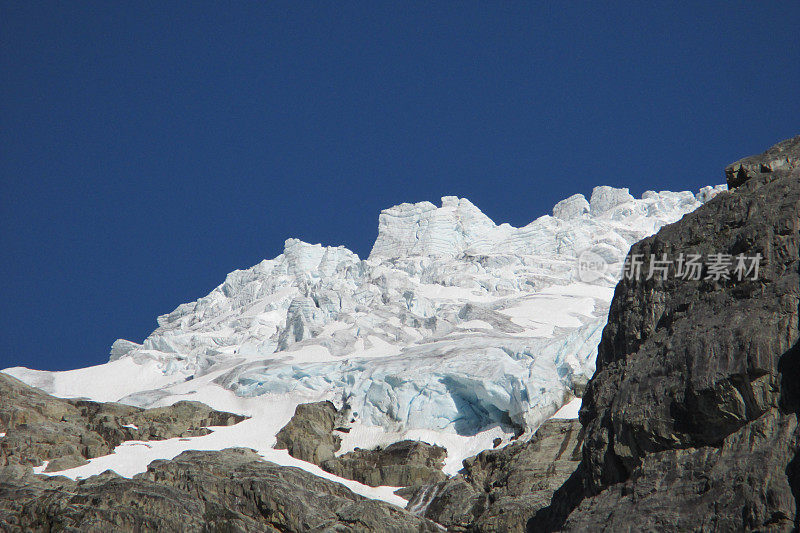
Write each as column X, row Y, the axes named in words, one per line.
column 691, row 416
column 498, row 490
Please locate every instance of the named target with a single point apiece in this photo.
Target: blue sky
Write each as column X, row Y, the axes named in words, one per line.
column 147, row 149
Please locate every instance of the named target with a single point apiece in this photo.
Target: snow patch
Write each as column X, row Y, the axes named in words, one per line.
column 569, row 410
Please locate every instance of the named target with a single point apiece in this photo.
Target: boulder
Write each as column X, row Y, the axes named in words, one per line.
column 402, row 464
column 309, row 434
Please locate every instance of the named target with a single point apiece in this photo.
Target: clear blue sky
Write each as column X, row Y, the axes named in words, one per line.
column 147, row 149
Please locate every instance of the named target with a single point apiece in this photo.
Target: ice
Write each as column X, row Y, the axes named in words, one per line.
column 573, row 207
column 708, row 192
column 122, row 347
column 455, row 329
column 605, row 198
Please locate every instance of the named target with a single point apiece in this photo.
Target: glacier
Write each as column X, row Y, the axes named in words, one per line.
column 454, row 327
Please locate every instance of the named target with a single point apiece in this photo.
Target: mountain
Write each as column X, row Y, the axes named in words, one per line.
column 437, row 365
column 455, row 330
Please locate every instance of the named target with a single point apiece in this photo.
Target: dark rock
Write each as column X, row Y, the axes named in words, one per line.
column 783, row 157
column 40, row 427
column 498, row 490
column 691, row 416
column 309, row 434
column 231, row 490
column 402, row 464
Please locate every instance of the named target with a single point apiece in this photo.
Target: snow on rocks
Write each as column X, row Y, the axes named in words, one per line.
column 454, row 328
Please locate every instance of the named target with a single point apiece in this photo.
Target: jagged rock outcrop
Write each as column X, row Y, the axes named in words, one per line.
column 232, row 490
column 310, row 436
column 498, row 490
column 66, row 433
column 402, row 464
column 691, row 417
column 784, row 156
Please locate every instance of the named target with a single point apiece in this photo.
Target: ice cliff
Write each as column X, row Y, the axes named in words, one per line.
column 453, row 323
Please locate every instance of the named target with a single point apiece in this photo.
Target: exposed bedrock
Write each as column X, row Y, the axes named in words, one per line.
column 784, row 156
column 402, row 464
column 310, row 436
column 498, row 490
column 232, row 490
column 66, row 433
column 691, row 417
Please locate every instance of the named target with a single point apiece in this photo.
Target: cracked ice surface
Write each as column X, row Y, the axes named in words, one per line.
column 452, row 325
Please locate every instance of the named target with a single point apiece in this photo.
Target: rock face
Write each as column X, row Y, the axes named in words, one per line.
column 784, row 156
column 402, row 464
column 232, row 490
column 498, row 490
column 39, row 427
column 691, row 417
column 310, row 436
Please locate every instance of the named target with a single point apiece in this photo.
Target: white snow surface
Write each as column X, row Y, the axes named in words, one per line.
column 454, row 331
column 569, row 410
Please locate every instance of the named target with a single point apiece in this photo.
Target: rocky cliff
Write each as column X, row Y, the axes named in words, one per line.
column 691, row 417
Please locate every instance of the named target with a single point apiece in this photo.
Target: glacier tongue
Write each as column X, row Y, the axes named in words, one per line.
column 453, row 324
